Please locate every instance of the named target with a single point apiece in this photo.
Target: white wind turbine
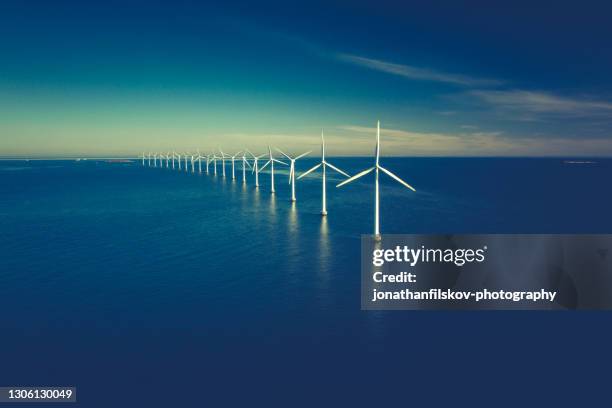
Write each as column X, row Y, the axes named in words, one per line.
column 256, row 167
column 192, row 163
column 271, row 161
column 143, row 159
column 292, row 170
column 167, row 159
column 214, row 160
column 149, row 159
column 173, row 154
column 377, row 167
column 154, row 159
column 178, row 157
column 185, row 156
column 223, row 156
column 233, row 161
column 207, row 162
column 199, row 159
column 245, row 163
column 323, row 164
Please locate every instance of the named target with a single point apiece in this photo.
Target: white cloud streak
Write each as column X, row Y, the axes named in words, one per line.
column 542, row 103
column 415, row 73
column 493, row 143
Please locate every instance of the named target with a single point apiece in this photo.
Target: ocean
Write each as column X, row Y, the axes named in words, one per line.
column 148, row 286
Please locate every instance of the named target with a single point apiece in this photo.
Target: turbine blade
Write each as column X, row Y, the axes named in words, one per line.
column 281, row 152
column 264, row 166
column 337, row 169
column 303, row 154
column 281, row 162
column 396, row 178
column 309, row 171
column 356, row 176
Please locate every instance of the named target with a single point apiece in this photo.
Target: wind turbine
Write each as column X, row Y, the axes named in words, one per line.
column 214, row 159
column 255, row 167
column 223, row 155
column 149, row 159
column 292, row 170
column 323, row 164
column 178, row 156
column 143, row 157
column 207, row 162
column 173, row 154
column 271, row 161
column 199, row 162
column 245, row 163
column 154, row 159
column 377, row 167
column 233, row 160
column 192, row 163
column 185, row 156
column 167, row 159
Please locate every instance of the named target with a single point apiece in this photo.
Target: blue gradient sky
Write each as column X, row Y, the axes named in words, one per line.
column 120, row 77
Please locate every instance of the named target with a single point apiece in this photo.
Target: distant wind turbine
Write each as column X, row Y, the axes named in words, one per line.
column 178, row 156
column 214, row 159
column 245, row 163
column 143, row 159
column 223, row 155
column 323, row 164
column 185, row 155
column 149, row 159
column 199, row 159
column 256, row 167
column 377, row 167
column 292, row 170
column 271, row 161
column 233, row 160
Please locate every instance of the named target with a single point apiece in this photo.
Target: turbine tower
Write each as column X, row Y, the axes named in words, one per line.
column 149, row 159
column 223, row 155
column 271, row 161
column 255, row 167
column 214, row 159
column 292, row 170
column 377, row 168
column 143, row 159
column 178, row 155
column 185, row 156
column 233, row 160
column 192, row 163
column 173, row 156
column 199, row 159
column 244, row 164
column 323, row 164
column 167, row 159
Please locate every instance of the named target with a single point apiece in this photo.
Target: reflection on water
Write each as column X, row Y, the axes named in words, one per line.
column 273, row 206
column 374, row 319
column 323, row 271
column 293, row 220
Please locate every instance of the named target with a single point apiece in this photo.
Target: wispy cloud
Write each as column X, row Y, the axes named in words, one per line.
column 481, row 143
column 416, row 73
column 542, row 103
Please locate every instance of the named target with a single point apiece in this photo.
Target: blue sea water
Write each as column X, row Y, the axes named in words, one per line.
column 151, row 287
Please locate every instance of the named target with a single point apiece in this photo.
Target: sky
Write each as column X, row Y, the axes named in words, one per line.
column 113, row 78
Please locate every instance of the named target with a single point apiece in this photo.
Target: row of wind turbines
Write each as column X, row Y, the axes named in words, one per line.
column 248, row 159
